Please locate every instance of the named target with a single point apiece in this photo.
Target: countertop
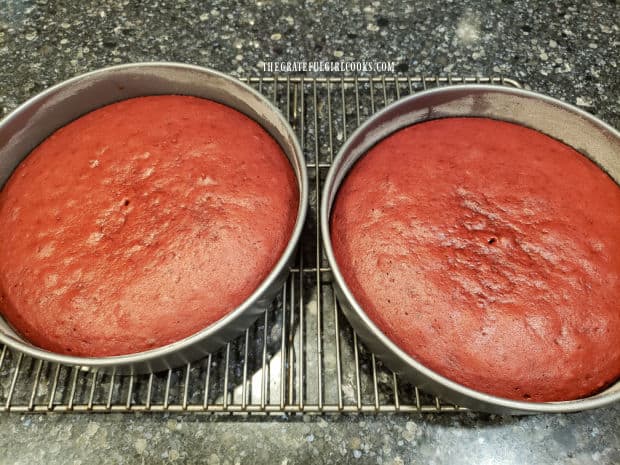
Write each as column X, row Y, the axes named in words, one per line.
column 565, row 49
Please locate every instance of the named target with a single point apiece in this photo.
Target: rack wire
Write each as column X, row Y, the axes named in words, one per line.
column 301, row 356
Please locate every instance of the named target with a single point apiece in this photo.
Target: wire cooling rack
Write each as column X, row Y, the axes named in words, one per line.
column 301, row 356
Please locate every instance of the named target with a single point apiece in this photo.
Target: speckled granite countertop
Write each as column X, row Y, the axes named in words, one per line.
column 565, row 49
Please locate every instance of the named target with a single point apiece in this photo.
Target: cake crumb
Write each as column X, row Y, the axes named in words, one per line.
column 93, row 163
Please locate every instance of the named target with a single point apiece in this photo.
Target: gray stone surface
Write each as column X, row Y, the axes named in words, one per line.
column 562, row 48
column 584, row 438
column 565, row 49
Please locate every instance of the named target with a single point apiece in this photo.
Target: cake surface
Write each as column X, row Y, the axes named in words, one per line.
column 490, row 253
column 140, row 224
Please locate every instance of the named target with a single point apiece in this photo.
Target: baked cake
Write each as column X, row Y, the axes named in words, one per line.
column 141, row 223
column 490, row 253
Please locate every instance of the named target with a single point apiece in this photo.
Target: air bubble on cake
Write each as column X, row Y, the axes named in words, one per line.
column 94, row 238
column 455, row 243
column 102, row 150
column 462, row 192
column 477, row 208
column 203, row 151
column 15, row 213
column 132, row 250
column 533, row 249
column 149, row 239
column 479, row 225
column 565, row 340
column 206, row 181
column 586, row 265
column 539, row 284
column 417, row 230
column 376, row 214
column 597, row 246
column 469, row 285
column 75, row 277
column 80, row 303
column 60, row 290
column 51, row 280
column 538, row 324
column 46, row 251
column 243, row 202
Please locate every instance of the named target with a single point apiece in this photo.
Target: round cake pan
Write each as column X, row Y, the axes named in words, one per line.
column 580, row 130
column 33, row 121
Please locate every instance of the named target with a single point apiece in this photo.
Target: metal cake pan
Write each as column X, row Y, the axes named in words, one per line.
column 574, row 127
column 36, row 119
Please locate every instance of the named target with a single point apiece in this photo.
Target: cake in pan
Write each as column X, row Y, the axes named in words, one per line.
column 490, row 253
column 141, row 223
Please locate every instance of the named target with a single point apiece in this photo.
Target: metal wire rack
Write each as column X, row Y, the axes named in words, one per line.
column 301, row 356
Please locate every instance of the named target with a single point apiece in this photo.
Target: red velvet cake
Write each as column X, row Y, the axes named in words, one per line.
column 490, row 253
column 140, row 224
